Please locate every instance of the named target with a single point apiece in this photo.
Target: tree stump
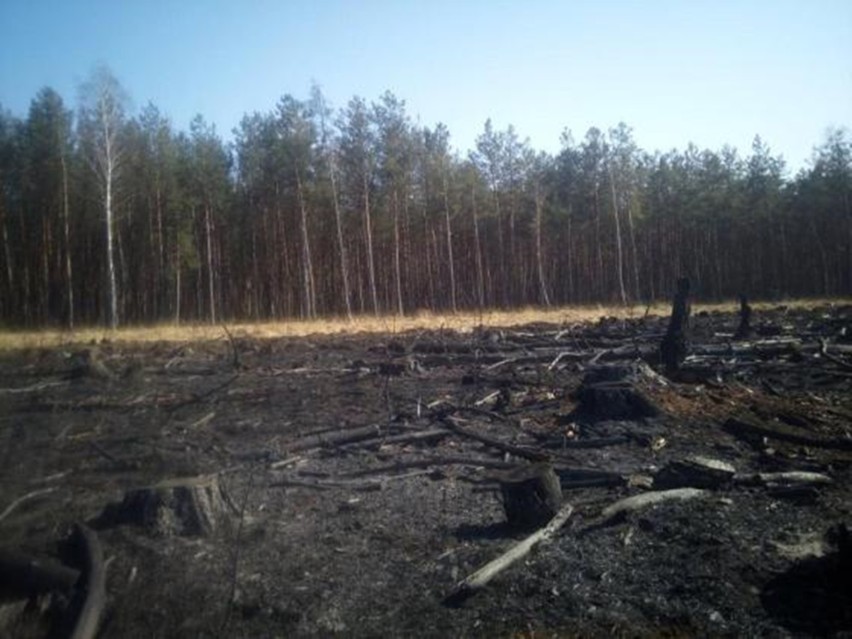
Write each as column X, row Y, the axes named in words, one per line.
column 613, row 401
column 190, row 506
column 674, row 345
column 532, row 495
column 744, row 330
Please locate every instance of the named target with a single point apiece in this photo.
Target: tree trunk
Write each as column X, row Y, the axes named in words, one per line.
column 480, row 278
column 368, row 233
column 539, row 206
column 69, row 282
column 307, row 265
column 453, row 301
column 113, row 291
column 396, row 255
column 344, row 268
column 208, row 232
column 619, row 251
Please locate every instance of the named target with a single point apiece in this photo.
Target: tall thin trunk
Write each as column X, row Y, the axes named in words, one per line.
column 7, row 255
column 450, row 260
column 177, row 281
column 368, row 232
column 344, row 267
column 307, row 264
column 480, row 277
column 631, row 231
column 618, row 244
column 69, row 281
column 208, row 231
column 396, row 255
column 113, row 290
column 539, row 206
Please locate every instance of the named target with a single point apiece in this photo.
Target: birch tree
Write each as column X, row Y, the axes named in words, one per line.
column 103, row 105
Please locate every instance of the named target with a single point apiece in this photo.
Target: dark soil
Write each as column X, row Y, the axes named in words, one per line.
column 366, row 538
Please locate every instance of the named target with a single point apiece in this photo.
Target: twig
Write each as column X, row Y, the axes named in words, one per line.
column 482, row 577
column 23, row 498
column 235, row 566
column 823, row 350
column 236, row 353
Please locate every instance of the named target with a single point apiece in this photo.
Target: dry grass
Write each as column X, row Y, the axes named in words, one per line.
column 463, row 322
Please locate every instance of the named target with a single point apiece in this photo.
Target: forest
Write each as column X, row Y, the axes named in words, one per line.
column 113, row 218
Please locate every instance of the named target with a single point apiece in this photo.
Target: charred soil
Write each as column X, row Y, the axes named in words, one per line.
column 344, row 485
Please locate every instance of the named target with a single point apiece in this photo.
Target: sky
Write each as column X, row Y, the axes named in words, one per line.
column 707, row 72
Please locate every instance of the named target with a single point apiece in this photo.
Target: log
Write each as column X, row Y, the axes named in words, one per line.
column 749, row 429
column 336, row 438
column 638, row 502
column 94, row 590
column 532, row 495
column 482, row 577
column 192, row 506
column 695, row 472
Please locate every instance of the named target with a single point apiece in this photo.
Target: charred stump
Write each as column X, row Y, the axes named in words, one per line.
column 191, row 506
column 532, row 495
column 744, row 330
column 675, row 342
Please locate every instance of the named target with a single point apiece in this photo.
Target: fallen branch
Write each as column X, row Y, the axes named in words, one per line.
column 823, row 350
column 526, row 453
column 89, row 618
column 372, row 483
column 482, row 577
column 748, row 428
column 20, row 500
column 336, row 438
column 638, row 502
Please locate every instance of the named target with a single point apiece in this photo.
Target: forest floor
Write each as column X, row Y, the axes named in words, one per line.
column 360, row 479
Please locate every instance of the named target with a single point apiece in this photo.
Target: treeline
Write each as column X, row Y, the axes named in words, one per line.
column 107, row 217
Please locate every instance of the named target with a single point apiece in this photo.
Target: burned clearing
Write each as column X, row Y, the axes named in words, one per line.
column 350, row 485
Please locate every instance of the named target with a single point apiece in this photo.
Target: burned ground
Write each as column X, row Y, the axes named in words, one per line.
column 361, row 474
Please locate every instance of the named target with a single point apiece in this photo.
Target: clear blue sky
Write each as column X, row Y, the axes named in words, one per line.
column 710, row 72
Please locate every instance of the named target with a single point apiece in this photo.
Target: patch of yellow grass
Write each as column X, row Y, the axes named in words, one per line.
column 462, row 322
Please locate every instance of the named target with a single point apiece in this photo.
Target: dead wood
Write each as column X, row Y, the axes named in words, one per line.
column 23, row 498
column 638, row 502
column 235, row 353
column 532, row 495
column 695, row 472
column 430, row 461
column 751, row 430
column 597, row 442
column 24, row 575
column 94, row 588
column 744, row 330
column 787, row 478
column 199, row 397
column 482, row 577
column 526, row 453
column 823, row 351
column 429, row 435
column 372, row 483
column 674, row 345
column 187, row 506
column 337, row 437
